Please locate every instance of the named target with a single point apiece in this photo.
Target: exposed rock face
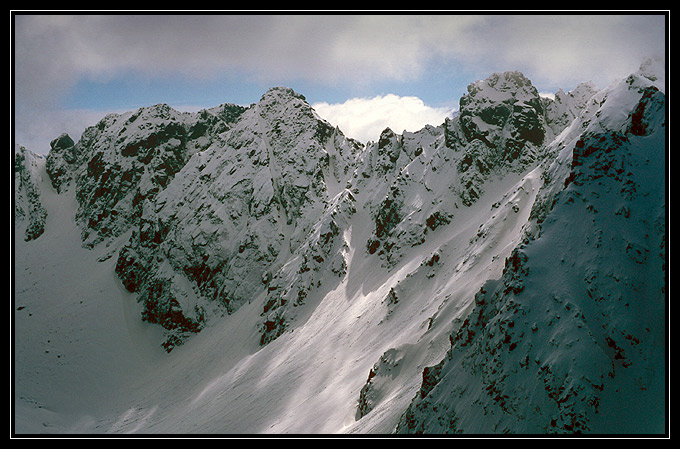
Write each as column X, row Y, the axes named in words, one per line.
column 232, row 203
column 553, row 211
column 60, row 160
column 503, row 111
column 502, row 128
column 216, row 237
column 381, row 373
column 126, row 159
column 548, row 347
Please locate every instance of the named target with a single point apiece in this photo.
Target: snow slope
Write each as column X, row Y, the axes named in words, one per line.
column 86, row 363
column 356, row 349
column 576, row 322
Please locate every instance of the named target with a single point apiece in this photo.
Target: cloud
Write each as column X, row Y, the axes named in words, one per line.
column 53, row 52
column 56, row 50
column 365, row 118
column 59, row 49
column 564, row 49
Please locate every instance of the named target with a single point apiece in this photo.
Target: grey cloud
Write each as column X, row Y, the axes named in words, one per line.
column 53, row 52
column 565, row 49
column 63, row 48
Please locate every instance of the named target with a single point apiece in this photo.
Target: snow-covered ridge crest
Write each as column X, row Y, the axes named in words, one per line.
column 127, row 158
column 460, row 278
column 553, row 345
column 217, row 202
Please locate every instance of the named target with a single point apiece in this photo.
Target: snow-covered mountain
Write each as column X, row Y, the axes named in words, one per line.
column 254, row 270
column 576, row 322
column 29, row 212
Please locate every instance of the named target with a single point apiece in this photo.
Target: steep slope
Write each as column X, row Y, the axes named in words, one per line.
column 126, row 159
column 571, row 339
column 419, row 181
column 29, row 211
column 461, row 278
column 78, row 344
column 216, row 236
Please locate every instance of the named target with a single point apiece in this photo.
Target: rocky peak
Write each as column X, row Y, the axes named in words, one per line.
column 388, row 151
column 387, row 136
column 60, row 160
column 503, row 110
column 217, row 236
column 281, row 94
column 63, row 143
column 289, row 118
column 653, row 68
column 514, row 83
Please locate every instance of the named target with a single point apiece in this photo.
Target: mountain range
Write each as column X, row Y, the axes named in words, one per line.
column 253, row 270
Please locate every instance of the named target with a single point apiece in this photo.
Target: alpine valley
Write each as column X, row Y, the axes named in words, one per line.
column 253, row 270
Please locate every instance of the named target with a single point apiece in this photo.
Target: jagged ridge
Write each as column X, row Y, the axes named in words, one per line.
column 547, row 347
column 262, row 204
column 235, row 213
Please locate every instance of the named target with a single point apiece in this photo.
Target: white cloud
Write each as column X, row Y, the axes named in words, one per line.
column 365, row 118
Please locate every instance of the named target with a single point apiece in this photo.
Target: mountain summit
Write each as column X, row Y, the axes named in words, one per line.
column 234, row 214
column 254, row 270
column 554, row 343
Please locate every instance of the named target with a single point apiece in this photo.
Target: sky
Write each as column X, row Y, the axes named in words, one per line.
column 361, row 72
